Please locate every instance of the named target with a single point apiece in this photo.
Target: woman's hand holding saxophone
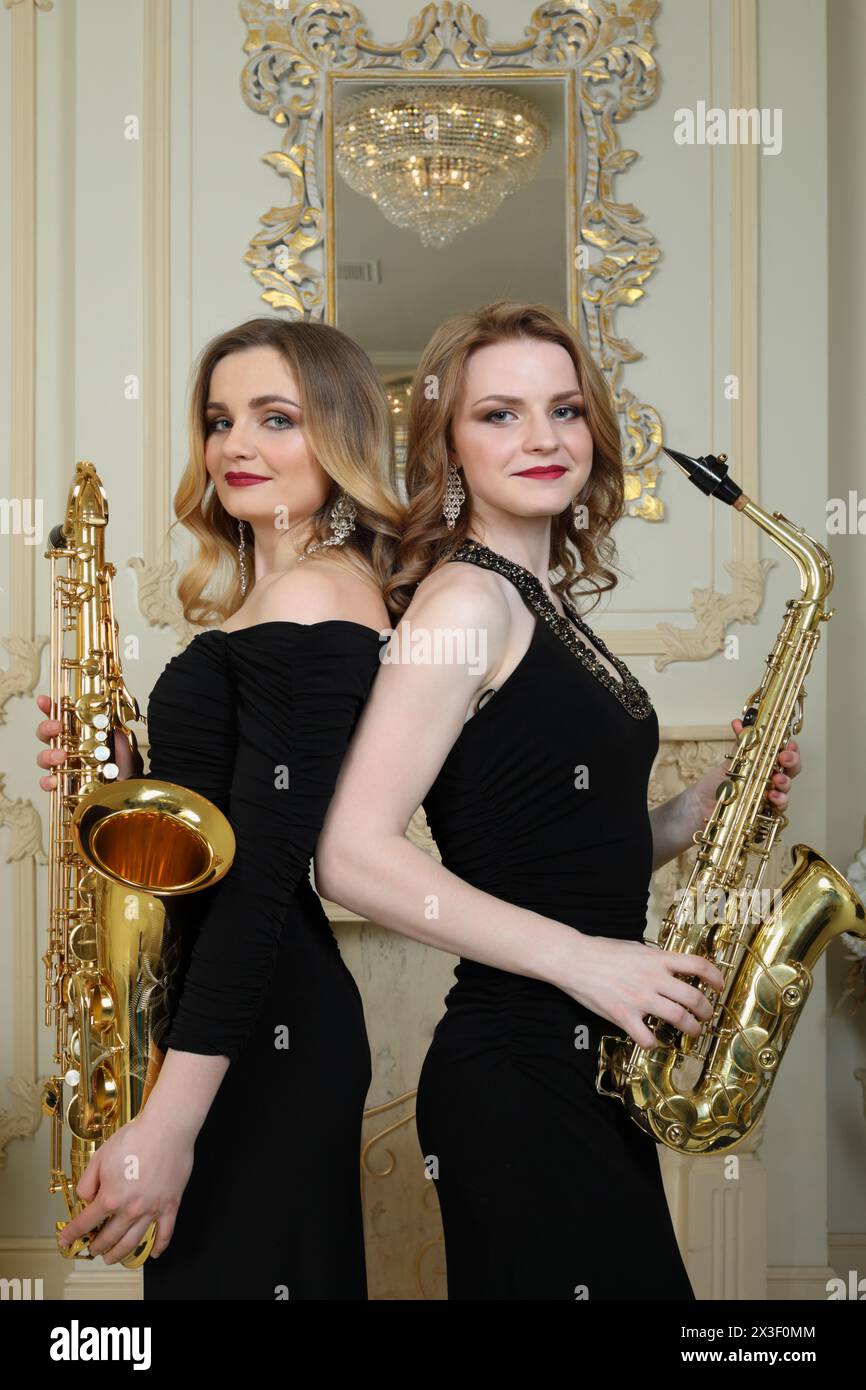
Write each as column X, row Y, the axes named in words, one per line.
column 702, row 793
column 129, row 764
column 135, row 1177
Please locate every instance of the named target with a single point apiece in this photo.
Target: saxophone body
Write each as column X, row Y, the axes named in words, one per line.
column 705, row 1094
column 116, row 848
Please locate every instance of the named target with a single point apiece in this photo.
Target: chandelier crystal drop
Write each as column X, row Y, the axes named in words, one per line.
column 436, row 159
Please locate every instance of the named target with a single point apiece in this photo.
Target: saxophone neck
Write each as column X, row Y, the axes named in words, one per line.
column 812, row 559
column 709, row 474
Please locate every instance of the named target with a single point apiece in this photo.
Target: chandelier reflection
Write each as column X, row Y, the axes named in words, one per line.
column 436, row 159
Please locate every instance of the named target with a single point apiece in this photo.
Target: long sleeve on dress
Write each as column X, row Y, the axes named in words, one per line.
column 299, row 690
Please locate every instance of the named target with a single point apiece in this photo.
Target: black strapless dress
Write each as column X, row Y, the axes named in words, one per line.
column 258, row 721
column 547, row 1189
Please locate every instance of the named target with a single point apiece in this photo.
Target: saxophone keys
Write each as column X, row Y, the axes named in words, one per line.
column 75, row 1250
column 91, row 665
column 50, row 1100
column 91, row 708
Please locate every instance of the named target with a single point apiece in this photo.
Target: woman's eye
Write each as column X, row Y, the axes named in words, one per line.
column 222, row 419
column 573, row 412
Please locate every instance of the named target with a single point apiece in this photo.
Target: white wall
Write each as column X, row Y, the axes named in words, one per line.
column 846, row 730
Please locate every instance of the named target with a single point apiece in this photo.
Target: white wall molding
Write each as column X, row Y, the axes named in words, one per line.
column 23, row 645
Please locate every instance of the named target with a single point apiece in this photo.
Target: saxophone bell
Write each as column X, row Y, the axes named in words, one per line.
column 152, row 836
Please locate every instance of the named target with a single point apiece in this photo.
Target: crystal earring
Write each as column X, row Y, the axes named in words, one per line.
column 242, row 554
column 342, row 523
column 454, row 497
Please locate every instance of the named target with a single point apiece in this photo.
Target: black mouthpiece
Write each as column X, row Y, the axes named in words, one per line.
column 57, row 538
column 710, row 474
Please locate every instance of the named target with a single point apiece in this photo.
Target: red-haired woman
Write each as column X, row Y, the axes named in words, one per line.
column 530, row 746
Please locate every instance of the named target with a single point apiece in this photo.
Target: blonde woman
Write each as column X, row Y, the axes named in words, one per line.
column 530, row 747
column 248, row 1146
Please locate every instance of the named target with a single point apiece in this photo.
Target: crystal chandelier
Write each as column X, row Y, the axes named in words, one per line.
column 437, row 159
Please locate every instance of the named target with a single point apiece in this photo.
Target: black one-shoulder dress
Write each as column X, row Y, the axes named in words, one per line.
column 258, row 720
column 547, row 1189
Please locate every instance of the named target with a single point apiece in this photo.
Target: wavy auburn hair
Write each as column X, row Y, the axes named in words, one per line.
column 348, row 425
column 427, row 542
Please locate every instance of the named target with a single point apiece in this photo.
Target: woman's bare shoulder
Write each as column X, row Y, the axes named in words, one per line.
column 314, row 593
column 459, row 598
column 469, row 592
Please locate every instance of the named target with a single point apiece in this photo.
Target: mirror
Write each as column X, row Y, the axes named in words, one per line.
column 391, row 290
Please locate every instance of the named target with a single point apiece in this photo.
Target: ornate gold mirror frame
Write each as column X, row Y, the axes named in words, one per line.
column 298, row 54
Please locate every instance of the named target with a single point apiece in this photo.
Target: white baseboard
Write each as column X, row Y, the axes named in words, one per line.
column 802, row 1283
column 36, row 1259
column 98, row 1282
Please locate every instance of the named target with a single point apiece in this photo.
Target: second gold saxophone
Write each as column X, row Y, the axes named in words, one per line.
column 117, row 847
column 705, row 1094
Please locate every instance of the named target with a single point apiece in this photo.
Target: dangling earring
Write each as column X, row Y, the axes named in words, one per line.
column 342, row 523
column 242, row 556
column 454, row 497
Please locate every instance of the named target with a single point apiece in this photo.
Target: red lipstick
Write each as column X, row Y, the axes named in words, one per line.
column 244, row 479
column 552, row 471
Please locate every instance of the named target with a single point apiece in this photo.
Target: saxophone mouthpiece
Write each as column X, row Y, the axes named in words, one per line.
column 710, row 474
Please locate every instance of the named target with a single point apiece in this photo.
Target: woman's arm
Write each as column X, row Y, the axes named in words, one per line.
column 411, row 720
column 300, row 677
column 673, row 825
column 364, row 861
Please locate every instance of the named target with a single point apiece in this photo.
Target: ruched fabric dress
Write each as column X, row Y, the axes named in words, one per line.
column 547, row 1189
column 258, row 720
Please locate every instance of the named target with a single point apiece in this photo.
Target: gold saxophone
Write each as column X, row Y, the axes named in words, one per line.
column 706, row 1094
column 114, row 845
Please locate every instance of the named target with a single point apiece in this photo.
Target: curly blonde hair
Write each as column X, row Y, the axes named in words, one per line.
column 347, row 422
column 427, row 541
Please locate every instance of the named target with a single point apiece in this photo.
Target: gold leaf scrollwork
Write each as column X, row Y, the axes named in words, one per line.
column 383, row 1134
column 421, row 1208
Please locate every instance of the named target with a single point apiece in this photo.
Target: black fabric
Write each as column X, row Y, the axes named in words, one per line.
column 258, row 720
column 547, row 1189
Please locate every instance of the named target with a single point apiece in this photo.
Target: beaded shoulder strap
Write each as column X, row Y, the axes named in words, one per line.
column 628, row 691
